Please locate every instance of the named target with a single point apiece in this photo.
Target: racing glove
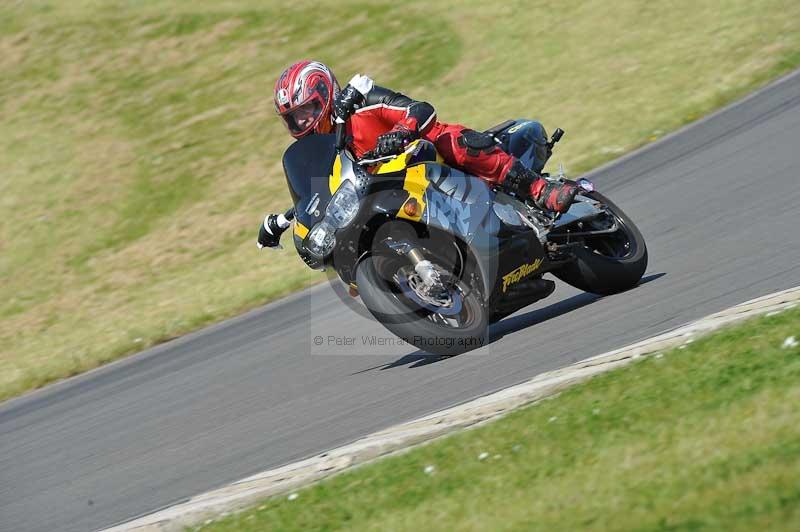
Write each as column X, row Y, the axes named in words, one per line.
column 352, row 96
column 547, row 195
column 269, row 234
column 395, row 140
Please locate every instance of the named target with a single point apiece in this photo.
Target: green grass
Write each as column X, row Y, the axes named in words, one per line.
column 139, row 149
column 701, row 438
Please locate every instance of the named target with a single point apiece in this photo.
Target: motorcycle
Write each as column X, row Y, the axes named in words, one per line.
column 436, row 254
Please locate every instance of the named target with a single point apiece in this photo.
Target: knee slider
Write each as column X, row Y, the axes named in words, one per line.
column 475, row 142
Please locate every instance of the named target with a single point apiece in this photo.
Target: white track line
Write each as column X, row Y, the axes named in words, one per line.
column 246, row 491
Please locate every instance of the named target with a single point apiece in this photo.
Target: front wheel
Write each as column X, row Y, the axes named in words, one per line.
column 605, row 263
column 451, row 322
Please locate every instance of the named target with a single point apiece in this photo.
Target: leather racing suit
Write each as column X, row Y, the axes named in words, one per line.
column 383, row 111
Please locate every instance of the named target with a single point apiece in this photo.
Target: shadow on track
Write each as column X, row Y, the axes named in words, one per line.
column 535, row 317
column 508, row 325
column 416, row 359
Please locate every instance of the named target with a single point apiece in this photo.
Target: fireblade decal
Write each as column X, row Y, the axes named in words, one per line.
column 515, row 276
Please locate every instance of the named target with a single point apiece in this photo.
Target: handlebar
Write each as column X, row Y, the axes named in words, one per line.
column 371, row 157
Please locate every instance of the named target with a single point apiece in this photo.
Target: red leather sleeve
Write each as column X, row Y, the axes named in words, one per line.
column 401, row 111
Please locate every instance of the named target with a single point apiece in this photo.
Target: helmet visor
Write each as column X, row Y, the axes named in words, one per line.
column 303, row 118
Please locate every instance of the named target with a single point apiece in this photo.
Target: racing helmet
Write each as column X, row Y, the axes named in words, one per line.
column 304, row 95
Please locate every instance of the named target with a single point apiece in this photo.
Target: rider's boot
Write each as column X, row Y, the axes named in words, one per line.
column 547, row 195
column 553, row 196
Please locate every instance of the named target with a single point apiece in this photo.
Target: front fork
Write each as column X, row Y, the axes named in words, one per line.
column 423, row 267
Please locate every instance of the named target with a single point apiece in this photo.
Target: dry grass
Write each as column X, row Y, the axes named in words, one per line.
column 139, row 150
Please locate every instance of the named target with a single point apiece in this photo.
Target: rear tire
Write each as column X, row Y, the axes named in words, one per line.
column 426, row 330
column 603, row 264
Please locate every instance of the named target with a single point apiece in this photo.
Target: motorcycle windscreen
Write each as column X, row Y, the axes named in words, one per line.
column 307, row 164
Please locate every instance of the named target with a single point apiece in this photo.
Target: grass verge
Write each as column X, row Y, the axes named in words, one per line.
column 139, row 149
column 701, row 438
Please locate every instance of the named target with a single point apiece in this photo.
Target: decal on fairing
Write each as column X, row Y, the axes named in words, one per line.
column 458, row 202
column 518, row 127
column 516, row 275
column 449, row 212
column 455, row 185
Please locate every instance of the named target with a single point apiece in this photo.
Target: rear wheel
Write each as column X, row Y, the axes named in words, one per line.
column 444, row 322
column 605, row 263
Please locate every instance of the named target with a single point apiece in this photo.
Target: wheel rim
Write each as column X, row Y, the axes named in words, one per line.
column 447, row 302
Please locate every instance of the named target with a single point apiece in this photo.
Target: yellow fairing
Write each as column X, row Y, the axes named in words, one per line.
column 395, row 165
column 409, row 156
column 415, row 184
column 335, row 178
column 300, row 229
column 398, row 163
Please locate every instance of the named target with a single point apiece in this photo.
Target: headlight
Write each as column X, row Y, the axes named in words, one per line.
column 341, row 210
column 343, row 206
column 321, row 239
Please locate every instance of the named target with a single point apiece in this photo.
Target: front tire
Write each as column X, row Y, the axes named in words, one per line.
column 384, row 295
column 607, row 264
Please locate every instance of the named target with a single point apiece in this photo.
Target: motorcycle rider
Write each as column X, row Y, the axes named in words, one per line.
column 308, row 99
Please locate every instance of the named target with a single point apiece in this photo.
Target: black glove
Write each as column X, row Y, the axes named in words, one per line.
column 394, row 141
column 269, row 234
column 347, row 101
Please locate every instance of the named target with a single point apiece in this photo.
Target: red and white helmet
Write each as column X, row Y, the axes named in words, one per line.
column 304, row 96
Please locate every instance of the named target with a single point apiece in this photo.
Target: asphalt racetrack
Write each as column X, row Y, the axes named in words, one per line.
column 717, row 204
